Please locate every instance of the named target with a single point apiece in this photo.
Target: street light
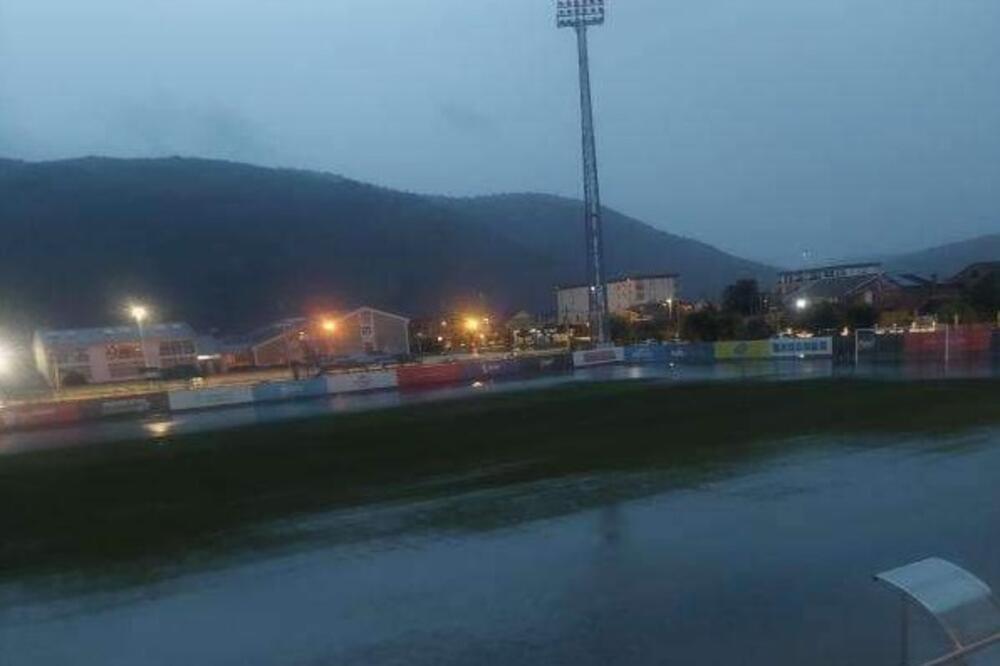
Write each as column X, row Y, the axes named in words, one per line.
column 801, row 304
column 329, row 326
column 471, row 324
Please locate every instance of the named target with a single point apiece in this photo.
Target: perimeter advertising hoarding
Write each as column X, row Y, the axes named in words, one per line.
column 40, row 415
column 278, row 391
column 184, row 400
column 691, row 352
column 592, row 357
column 125, row 406
column 357, row 382
column 743, row 350
column 801, row 347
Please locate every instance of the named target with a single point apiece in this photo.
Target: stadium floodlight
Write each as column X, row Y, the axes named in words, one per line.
column 138, row 312
column 579, row 14
column 6, row 359
column 573, row 13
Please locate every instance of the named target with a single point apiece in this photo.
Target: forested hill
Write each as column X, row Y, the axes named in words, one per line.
column 230, row 245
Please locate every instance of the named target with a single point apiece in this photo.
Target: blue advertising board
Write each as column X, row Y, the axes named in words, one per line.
column 671, row 352
column 693, row 352
column 646, row 354
column 276, row 391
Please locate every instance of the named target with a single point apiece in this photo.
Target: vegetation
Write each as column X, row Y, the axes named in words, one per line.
column 743, row 316
column 743, row 298
column 157, row 502
column 648, row 322
column 709, row 325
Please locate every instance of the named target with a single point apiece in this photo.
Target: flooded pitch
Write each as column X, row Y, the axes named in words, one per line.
column 766, row 563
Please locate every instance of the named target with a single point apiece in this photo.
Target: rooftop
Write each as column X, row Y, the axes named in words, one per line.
column 113, row 334
column 623, row 278
column 832, row 288
column 828, row 267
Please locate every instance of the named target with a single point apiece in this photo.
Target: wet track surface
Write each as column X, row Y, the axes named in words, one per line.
column 209, row 420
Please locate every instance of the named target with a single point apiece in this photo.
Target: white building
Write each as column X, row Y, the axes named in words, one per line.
column 573, row 303
column 112, row 354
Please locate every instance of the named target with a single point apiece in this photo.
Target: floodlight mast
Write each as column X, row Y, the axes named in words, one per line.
column 579, row 14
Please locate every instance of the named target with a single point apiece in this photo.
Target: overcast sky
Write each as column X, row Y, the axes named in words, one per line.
column 766, row 127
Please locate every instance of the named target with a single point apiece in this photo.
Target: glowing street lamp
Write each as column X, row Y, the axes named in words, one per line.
column 471, row 324
column 329, row 326
column 801, row 304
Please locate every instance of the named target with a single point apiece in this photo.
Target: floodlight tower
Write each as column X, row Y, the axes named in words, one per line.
column 579, row 15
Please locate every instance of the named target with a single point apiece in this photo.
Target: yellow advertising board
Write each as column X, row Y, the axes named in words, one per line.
column 742, row 349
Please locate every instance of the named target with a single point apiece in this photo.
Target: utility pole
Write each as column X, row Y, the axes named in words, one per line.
column 579, row 15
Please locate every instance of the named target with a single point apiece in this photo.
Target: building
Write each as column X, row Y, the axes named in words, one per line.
column 791, row 281
column 274, row 345
column 625, row 293
column 301, row 340
column 113, row 354
column 876, row 290
column 370, row 331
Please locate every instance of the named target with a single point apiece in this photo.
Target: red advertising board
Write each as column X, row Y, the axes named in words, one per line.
column 413, row 376
column 960, row 340
column 41, row 415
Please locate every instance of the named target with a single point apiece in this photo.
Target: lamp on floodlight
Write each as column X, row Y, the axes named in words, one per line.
column 575, row 13
column 6, row 360
column 801, row 304
column 138, row 312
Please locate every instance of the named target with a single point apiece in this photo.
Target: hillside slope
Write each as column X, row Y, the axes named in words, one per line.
column 230, row 245
column 946, row 260
column 553, row 227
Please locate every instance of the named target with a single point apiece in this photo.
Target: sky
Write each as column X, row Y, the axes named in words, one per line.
column 774, row 129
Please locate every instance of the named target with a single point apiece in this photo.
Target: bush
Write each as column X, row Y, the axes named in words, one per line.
column 709, row 325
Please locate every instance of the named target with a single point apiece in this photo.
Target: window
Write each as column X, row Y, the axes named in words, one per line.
column 71, row 356
column 124, row 370
column 124, row 351
column 177, row 348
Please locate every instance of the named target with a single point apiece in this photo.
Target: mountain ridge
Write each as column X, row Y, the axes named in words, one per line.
column 229, row 245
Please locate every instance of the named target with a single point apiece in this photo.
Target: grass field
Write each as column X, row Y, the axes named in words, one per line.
column 142, row 504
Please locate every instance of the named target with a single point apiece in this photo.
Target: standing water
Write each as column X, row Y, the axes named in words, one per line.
column 768, row 563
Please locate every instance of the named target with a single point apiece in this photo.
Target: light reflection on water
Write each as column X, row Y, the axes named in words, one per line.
column 768, row 564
